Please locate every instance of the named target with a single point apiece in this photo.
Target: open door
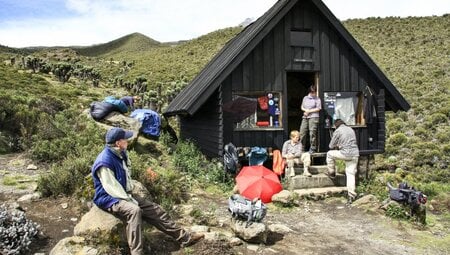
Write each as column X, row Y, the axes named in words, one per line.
column 297, row 87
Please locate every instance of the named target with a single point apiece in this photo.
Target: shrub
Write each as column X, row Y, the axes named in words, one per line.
column 16, row 231
column 190, row 160
column 398, row 139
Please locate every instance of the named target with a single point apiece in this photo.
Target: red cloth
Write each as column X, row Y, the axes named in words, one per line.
column 278, row 162
column 263, row 102
column 262, row 123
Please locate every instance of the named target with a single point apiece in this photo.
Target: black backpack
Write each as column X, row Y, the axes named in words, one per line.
column 406, row 195
column 230, row 159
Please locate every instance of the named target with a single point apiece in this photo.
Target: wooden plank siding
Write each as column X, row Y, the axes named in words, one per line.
column 262, row 66
column 205, row 128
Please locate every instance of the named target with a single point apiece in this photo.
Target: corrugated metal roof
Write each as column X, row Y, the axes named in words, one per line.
column 195, row 94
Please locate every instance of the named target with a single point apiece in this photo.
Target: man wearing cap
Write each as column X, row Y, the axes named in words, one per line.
column 344, row 139
column 112, row 183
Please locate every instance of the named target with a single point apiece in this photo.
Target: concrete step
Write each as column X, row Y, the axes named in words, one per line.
column 315, row 181
column 316, row 169
column 320, row 192
column 296, row 196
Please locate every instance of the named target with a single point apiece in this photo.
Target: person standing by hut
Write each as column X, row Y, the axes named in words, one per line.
column 311, row 106
column 343, row 146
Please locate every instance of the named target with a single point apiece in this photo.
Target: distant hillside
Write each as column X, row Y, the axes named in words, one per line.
column 6, row 49
column 135, row 42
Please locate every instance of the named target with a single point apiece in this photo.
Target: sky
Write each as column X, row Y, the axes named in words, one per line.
column 26, row 23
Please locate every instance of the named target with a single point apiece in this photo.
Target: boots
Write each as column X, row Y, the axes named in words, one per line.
column 291, row 172
column 306, row 172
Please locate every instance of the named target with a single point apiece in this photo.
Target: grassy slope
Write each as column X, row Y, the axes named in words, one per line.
column 414, row 53
column 128, row 44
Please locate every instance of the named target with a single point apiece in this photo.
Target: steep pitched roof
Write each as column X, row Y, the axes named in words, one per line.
column 194, row 95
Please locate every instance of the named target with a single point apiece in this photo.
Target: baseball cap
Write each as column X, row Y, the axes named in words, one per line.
column 115, row 134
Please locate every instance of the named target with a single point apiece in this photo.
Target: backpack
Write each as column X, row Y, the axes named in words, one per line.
column 406, row 195
column 118, row 104
column 100, row 110
column 245, row 209
column 230, row 159
column 151, row 121
column 257, row 156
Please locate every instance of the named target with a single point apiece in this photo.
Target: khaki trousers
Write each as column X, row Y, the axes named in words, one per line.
column 304, row 159
column 351, row 164
column 153, row 214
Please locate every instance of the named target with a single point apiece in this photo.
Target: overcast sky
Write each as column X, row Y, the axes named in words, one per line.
column 86, row 22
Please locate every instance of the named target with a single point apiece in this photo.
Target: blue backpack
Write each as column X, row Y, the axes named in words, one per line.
column 119, row 105
column 151, row 121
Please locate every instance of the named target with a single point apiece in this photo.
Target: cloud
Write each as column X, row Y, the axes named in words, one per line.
column 87, row 22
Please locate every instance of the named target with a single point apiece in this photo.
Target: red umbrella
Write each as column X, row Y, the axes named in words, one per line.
column 258, row 182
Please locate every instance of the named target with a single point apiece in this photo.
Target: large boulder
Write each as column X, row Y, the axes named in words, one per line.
column 73, row 245
column 254, row 232
column 101, row 226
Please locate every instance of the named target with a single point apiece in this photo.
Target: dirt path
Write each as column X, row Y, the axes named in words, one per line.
column 318, row 227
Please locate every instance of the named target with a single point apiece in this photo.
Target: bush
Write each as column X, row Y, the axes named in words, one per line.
column 190, row 160
column 16, row 231
column 398, row 139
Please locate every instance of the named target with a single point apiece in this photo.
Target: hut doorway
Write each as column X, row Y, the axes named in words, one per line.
column 297, row 87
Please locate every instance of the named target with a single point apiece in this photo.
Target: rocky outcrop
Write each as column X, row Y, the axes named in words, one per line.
column 254, row 232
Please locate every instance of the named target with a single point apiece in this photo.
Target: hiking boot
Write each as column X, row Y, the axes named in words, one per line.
column 350, row 200
column 331, row 175
column 307, row 173
column 291, row 172
column 193, row 239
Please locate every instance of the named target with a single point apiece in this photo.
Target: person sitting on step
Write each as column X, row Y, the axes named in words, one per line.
column 292, row 152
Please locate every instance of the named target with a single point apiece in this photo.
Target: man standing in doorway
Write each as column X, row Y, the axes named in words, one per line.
column 344, row 139
column 311, row 106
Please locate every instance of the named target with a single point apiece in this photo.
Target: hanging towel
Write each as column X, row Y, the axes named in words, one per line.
column 278, row 162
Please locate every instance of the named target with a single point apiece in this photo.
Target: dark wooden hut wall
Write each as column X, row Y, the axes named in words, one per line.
column 263, row 68
column 205, row 126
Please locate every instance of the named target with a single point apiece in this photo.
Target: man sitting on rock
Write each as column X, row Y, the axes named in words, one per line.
column 112, row 183
column 292, row 152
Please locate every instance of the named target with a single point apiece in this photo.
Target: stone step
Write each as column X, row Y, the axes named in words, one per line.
column 315, row 181
column 320, row 192
column 316, row 169
column 295, row 196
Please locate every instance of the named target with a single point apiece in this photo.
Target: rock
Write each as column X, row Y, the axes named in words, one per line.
column 73, row 245
column 139, row 190
column 200, row 229
column 367, row 202
column 32, row 167
column 68, row 246
column 279, row 228
column 283, row 197
column 64, row 205
column 29, row 197
column 100, row 226
column 235, row 241
column 255, row 232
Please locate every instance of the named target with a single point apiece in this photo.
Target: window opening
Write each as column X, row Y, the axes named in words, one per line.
column 255, row 111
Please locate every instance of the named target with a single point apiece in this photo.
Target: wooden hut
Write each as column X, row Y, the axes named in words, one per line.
column 295, row 44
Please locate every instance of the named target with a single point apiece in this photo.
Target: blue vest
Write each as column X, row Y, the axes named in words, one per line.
column 107, row 158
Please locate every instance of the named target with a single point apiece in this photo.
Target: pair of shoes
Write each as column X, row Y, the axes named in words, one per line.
column 306, row 173
column 193, row 239
column 331, row 175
